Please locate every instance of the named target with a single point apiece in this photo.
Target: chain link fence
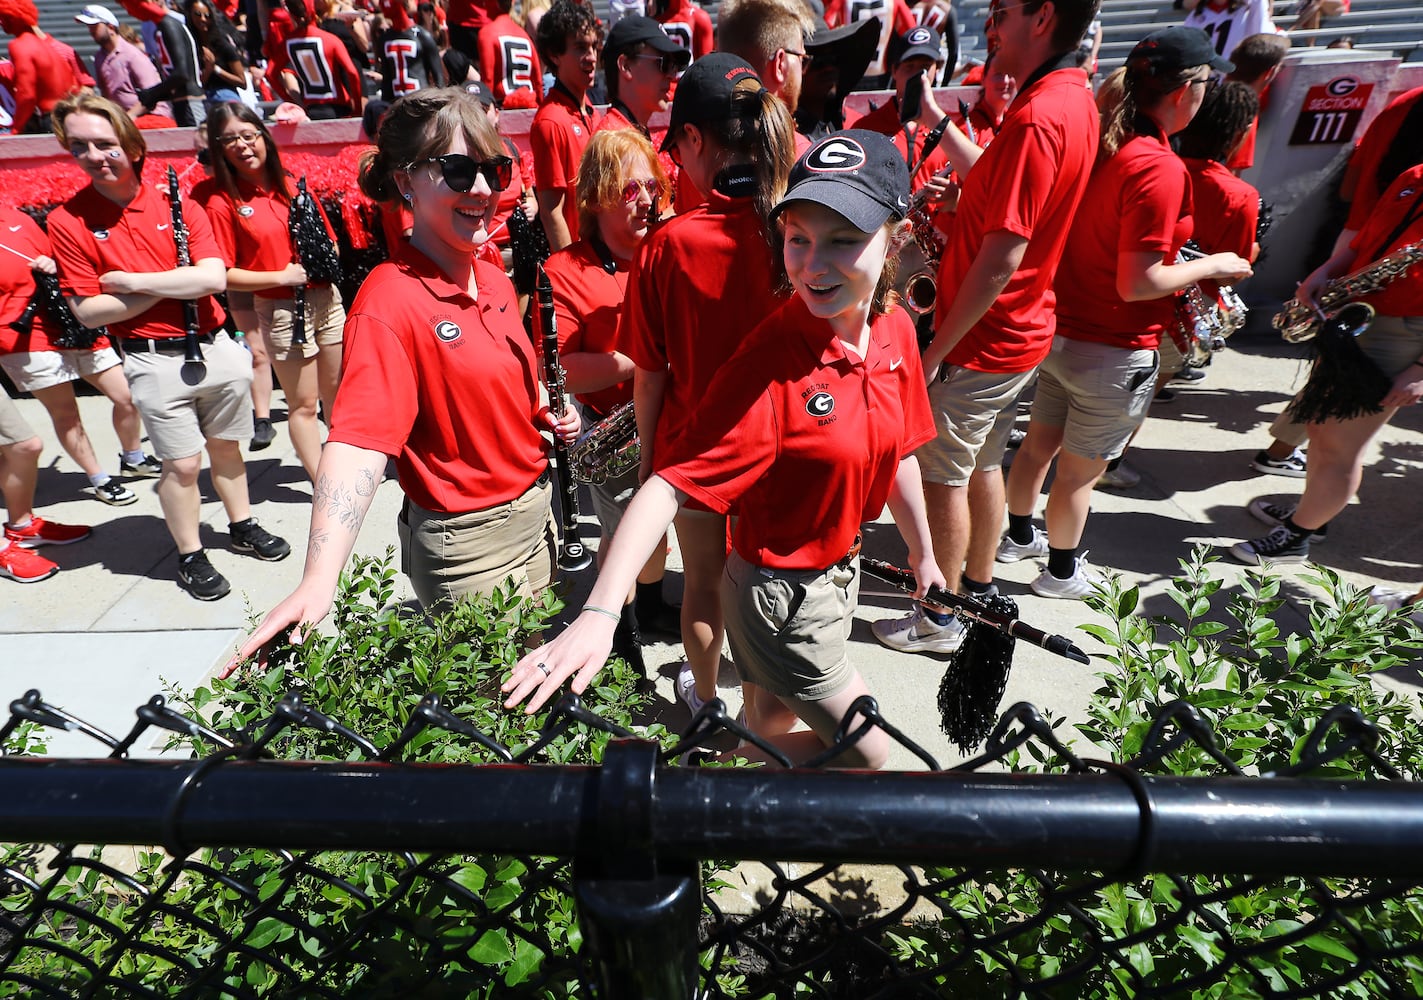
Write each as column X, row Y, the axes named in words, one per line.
column 525, row 876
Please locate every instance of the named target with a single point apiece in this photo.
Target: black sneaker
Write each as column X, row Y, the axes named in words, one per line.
column 263, row 434
column 1294, row 465
column 115, row 494
column 147, row 467
column 200, row 579
column 1280, row 546
column 255, row 540
column 1275, row 514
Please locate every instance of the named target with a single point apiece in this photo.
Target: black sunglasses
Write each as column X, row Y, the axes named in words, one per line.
column 459, row 171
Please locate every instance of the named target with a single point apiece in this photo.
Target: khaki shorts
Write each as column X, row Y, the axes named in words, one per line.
column 1097, row 393
column 1172, row 360
column 450, row 556
column 185, row 405
column 35, row 370
column 790, row 629
column 325, row 320
column 974, row 412
column 13, row 427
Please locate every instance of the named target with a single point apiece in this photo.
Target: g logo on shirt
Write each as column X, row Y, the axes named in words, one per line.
column 448, row 330
column 836, row 155
column 822, row 404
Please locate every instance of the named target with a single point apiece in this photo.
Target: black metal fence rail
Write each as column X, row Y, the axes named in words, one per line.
column 634, row 879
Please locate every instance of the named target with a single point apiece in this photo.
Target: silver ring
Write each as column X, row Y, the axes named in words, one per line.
column 543, row 667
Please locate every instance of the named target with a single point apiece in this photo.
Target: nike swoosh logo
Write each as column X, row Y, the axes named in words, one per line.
column 14, row 229
column 162, row 226
column 504, row 307
column 895, row 363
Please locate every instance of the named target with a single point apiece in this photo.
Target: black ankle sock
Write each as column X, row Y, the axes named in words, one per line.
column 648, row 599
column 1062, row 563
column 975, row 586
column 1020, row 528
column 1296, row 530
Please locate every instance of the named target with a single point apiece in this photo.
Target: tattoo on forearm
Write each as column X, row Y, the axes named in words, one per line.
column 337, row 501
column 365, row 482
column 315, row 544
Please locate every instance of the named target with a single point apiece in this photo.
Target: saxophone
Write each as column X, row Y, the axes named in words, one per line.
column 1300, row 321
column 609, row 449
column 1202, row 324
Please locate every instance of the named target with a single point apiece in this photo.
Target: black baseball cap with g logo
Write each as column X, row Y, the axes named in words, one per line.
column 857, row 173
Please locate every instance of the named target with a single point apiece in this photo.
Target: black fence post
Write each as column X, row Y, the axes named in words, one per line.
column 639, row 917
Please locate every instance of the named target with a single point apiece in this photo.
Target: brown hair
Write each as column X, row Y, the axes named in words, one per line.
column 600, row 173
column 757, row 131
column 1256, row 55
column 1142, row 89
column 130, row 138
column 756, row 29
column 1220, row 124
column 421, row 125
column 274, row 177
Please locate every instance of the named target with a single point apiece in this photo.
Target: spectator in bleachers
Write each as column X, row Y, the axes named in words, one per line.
column 409, row 55
column 327, row 84
column 223, row 71
column 1311, row 14
column 940, row 15
column 895, row 19
column 685, row 23
column 508, row 61
column 122, row 69
column 568, row 41
column 1229, row 22
column 178, row 60
column 41, row 76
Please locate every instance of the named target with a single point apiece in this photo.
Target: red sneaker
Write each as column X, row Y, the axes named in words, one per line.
column 24, row 566
column 41, row 532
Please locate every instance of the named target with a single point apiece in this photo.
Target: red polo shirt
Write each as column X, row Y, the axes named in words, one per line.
column 586, row 303
column 253, row 232
column 1029, row 182
column 1226, row 210
column 801, row 439
column 1360, row 182
column 447, row 385
column 1403, row 296
column 700, row 283
column 558, row 136
column 885, row 120
column 508, row 60
column 1139, row 201
column 93, row 236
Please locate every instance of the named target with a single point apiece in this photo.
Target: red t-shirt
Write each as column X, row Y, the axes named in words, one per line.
column 885, row 120
column 253, row 232
column 1403, row 296
column 93, row 236
column 42, row 77
column 1361, row 177
column 447, row 385
column 689, row 26
column 559, row 134
column 470, row 13
column 1139, row 201
column 801, row 439
column 323, row 68
column 586, row 303
column 1028, row 182
column 17, row 282
column 699, row 284
column 508, row 60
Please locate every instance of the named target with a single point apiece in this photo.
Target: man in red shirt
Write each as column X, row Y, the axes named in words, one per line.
column 507, row 59
column 771, row 36
column 640, row 65
column 329, row 85
column 685, row 23
column 914, row 56
column 994, row 319
column 1257, row 62
column 118, row 261
column 568, row 42
column 42, row 78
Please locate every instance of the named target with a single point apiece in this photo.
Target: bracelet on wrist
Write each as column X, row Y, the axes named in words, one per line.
column 603, row 611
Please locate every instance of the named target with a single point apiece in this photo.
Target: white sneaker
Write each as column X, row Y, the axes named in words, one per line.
column 1010, row 551
column 1396, row 599
column 687, row 689
column 1083, row 581
column 918, row 633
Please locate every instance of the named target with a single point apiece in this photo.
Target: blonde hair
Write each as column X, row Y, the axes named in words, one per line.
column 130, row 138
column 601, row 175
column 1141, row 89
column 756, row 29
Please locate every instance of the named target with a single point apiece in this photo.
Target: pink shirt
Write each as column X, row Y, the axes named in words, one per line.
column 125, row 71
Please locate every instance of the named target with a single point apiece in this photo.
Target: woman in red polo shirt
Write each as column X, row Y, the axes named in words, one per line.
column 247, row 200
column 439, row 375
column 702, row 282
column 1115, row 289
column 824, row 398
column 620, row 185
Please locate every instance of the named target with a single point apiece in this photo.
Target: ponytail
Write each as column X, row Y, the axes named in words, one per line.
column 1129, row 92
column 759, row 132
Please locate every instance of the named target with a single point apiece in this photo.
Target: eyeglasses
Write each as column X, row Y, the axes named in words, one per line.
column 996, row 14
column 806, row 58
column 631, row 188
column 459, row 171
column 246, row 138
column 667, row 63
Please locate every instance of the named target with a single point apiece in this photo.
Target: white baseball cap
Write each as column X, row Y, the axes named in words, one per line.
column 97, row 14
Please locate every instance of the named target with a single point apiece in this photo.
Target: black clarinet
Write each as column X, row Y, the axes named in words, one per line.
column 573, row 555
column 192, row 349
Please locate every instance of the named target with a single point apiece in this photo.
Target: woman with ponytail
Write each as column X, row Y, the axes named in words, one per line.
column 1115, row 289
column 699, row 285
column 439, row 375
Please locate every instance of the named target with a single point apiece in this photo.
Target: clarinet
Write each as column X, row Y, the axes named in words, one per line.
column 192, row 349
column 572, row 554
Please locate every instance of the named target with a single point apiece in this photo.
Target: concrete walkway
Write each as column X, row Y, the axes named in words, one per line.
column 113, row 628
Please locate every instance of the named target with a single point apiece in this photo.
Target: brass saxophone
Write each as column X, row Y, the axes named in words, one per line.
column 1299, row 321
column 1202, row 325
column 921, row 290
column 609, row 449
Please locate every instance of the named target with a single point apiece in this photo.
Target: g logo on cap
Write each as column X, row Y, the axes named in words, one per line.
column 836, row 155
column 918, row 36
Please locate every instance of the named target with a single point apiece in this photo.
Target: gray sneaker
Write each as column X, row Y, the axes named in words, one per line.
column 1010, row 551
column 1083, row 581
column 918, row 633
